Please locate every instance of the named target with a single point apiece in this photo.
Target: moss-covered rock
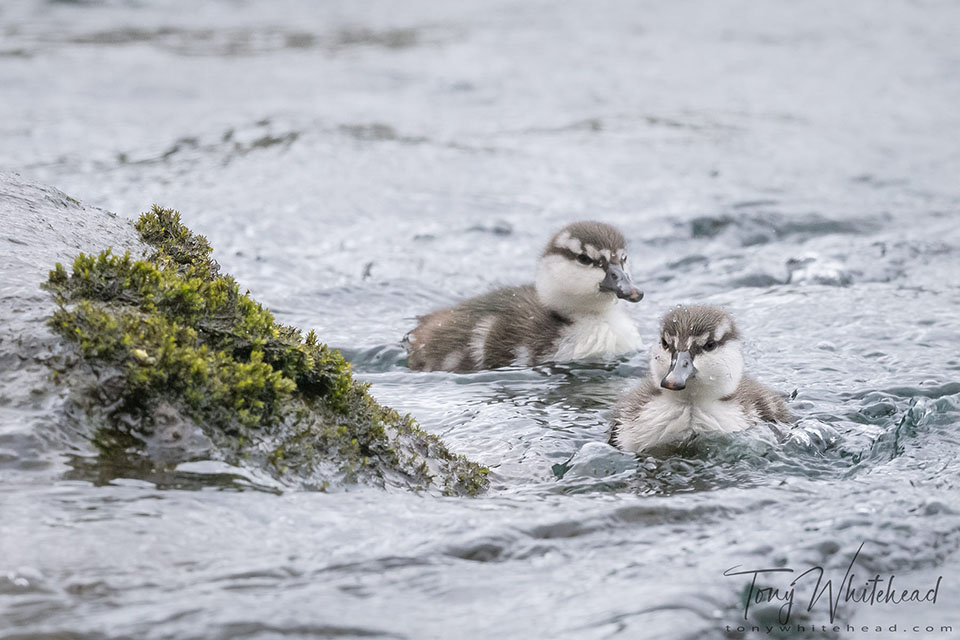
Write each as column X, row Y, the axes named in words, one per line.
column 170, row 330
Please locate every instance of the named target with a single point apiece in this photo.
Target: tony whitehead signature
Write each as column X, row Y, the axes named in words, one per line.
column 875, row 590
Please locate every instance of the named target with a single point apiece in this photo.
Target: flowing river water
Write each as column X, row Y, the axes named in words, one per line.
column 357, row 164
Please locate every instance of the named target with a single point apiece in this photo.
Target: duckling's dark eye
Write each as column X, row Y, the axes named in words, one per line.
column 663, row 343
column 710, row 346
column 584, row 259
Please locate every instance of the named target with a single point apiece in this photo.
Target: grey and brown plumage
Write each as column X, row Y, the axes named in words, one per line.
column 570, row 313
column 695, row 385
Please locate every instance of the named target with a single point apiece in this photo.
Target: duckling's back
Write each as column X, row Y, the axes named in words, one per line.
column 493, row 330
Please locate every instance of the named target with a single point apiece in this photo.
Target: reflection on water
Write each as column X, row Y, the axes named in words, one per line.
column 357, row 166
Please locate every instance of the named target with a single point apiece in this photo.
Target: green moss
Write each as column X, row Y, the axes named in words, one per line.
column 171, row 330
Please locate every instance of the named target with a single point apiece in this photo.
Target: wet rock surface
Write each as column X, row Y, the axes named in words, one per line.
column 40, row 227
column 161, row 360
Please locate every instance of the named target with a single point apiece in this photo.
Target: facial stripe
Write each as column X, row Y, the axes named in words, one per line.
column 591, row 251
column 722, row 330
column 569, row 255
column 674, row 341
column 697, row 327
column 693, row 343
column 566, row 241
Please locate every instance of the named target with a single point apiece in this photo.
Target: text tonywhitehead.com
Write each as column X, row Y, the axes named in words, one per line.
column 848, row 628
column 873, row 590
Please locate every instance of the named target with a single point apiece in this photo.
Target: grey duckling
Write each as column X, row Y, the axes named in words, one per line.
column 570, row 313
column 695, row 385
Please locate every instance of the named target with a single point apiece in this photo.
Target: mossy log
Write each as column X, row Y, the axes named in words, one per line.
column 171, row 332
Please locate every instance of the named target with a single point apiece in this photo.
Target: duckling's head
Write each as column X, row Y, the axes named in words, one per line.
column 698, row 354
column 583, row 269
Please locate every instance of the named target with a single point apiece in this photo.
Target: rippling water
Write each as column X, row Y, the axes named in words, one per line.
column 355, row 166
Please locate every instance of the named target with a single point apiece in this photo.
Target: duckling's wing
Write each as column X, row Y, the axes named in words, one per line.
column 767, row 404
column 432, row 344
column 484, row 332
column 513, row 326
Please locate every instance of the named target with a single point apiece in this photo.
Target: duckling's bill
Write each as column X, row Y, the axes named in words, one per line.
column 619, row 282
column 681, row 370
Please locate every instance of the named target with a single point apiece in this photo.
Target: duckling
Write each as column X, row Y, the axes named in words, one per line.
column 570, row 313
column 695, row 385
